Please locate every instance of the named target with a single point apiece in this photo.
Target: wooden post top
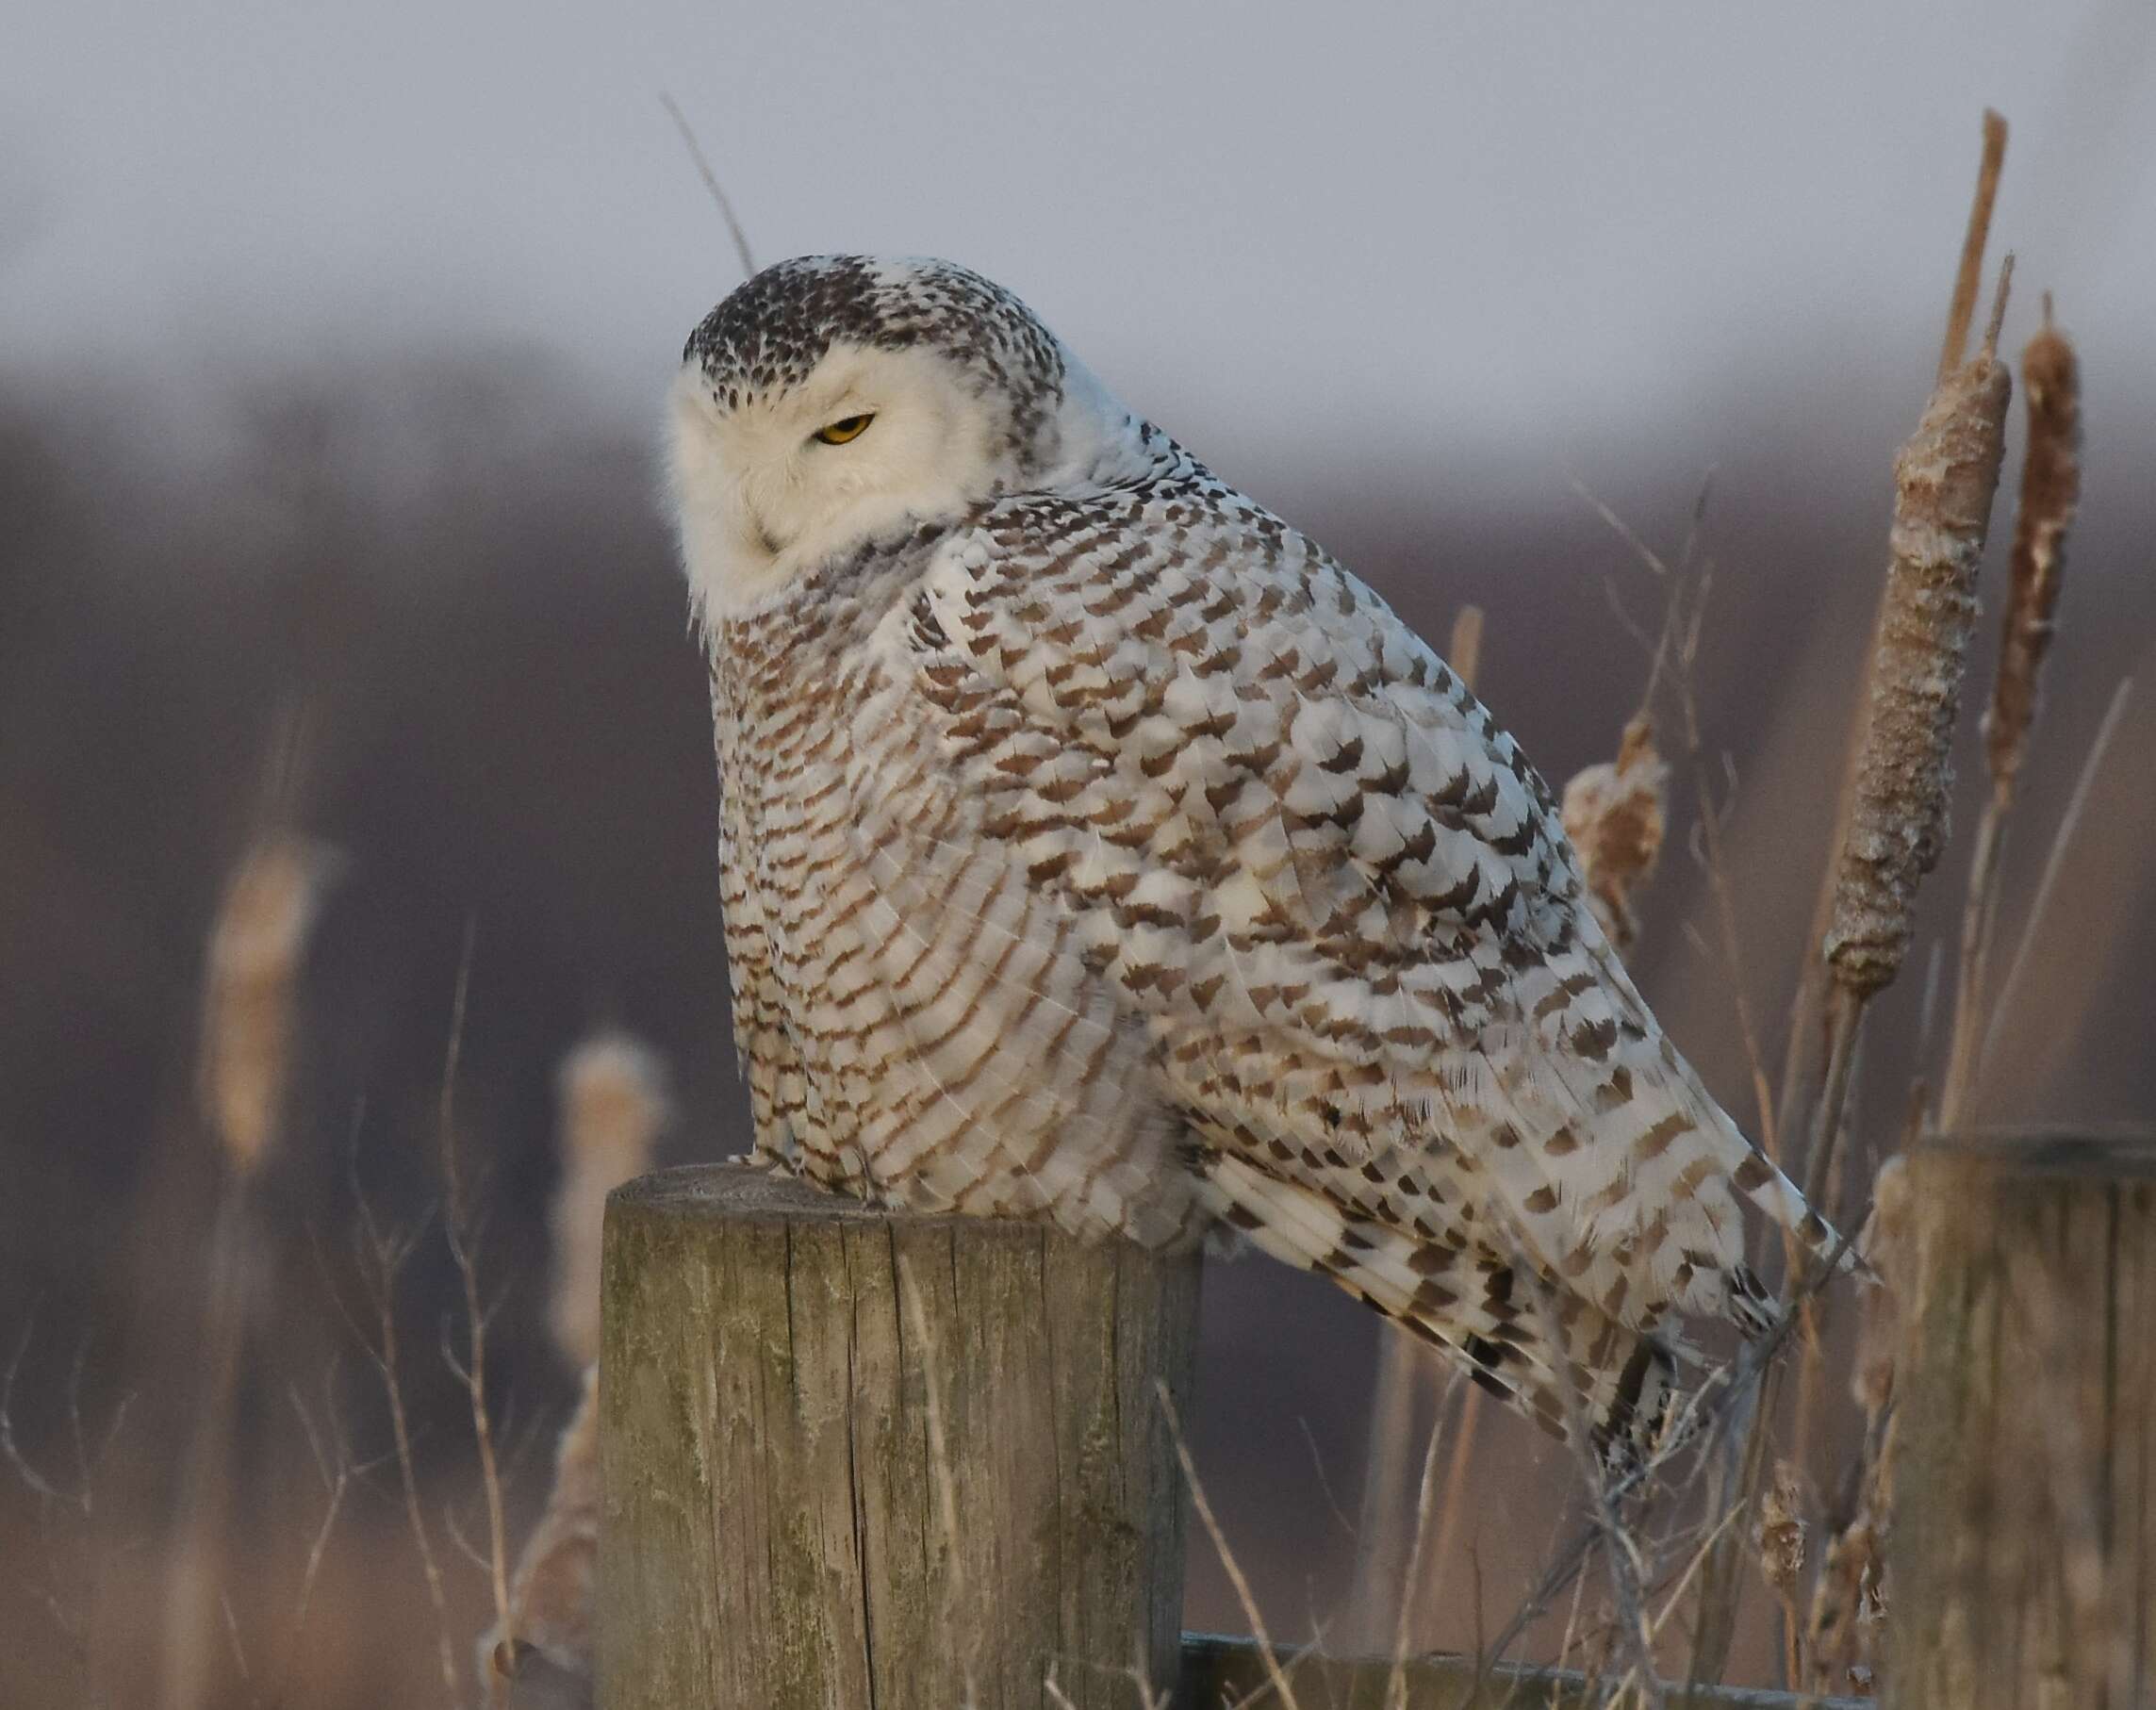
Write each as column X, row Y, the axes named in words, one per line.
column 2117, row 1151
column 743, row 1193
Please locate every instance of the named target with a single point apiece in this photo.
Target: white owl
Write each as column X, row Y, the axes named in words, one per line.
column 1096, row 848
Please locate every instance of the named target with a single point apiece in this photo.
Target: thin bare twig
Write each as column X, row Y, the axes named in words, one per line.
column 1233, row 1567
column 1452, row 1505
column 2054, row 861
column 463, row 1237
column 382, row 1253
column 1396, row 1686
column 1712, row 1405
column 711, row 183
column 339, row 1472
column 1626, row 1569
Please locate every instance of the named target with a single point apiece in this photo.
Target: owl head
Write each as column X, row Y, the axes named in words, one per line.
column 834, row 399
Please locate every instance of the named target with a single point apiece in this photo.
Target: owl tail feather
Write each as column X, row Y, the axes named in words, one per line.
column 1467, row 1303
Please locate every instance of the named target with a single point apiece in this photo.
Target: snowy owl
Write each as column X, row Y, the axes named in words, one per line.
column 1096, row 848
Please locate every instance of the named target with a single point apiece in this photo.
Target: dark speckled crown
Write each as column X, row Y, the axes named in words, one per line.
column 772, row 331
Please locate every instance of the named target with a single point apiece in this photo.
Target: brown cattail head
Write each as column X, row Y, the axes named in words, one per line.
column 1848, row 1607
column 250, row 1009
column 1614, row 813
column 613, row 1107
column 1780, row 1535
column 2051, row 488
column 1944, row 479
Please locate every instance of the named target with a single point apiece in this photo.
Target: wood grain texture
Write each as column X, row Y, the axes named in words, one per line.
column 2022, row 1561
column 858, row 1459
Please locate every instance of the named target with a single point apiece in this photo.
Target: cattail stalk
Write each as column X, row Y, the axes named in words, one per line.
column 1968, row 279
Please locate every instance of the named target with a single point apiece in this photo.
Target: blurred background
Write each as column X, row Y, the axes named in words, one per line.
column 330, row 538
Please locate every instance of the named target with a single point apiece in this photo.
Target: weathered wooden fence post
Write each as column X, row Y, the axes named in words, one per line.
column 858, row 1459
column 2022, row 1563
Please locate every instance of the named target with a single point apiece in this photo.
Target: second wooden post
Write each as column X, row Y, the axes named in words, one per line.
column 855, row 1458
column 2021, row 1566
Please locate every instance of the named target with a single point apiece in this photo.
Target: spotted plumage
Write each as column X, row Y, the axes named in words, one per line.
column 1096, row 847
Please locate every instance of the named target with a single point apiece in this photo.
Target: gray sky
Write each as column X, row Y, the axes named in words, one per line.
column 1362, row 228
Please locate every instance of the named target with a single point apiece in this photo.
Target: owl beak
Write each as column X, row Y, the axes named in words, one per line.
column 771, row 544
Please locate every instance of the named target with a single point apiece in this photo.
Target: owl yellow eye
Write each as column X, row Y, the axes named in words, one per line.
column 847, row 427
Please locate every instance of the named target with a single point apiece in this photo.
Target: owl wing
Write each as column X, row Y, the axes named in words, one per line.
column 1342, row 907
column 766, row 1052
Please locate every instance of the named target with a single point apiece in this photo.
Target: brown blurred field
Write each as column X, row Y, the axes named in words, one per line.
column 425, row 612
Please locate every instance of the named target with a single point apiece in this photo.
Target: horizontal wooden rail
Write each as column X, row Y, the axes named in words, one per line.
column 1222, row 1672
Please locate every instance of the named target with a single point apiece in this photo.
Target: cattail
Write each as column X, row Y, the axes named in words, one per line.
column 2051, row 488
column 1944, row 479
column 1614, row 813
column 1464, row 652
column 547, row 1642
column 1848, row 1607
column 250, row 991
column 614, row 1106
column 1781, row 1532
